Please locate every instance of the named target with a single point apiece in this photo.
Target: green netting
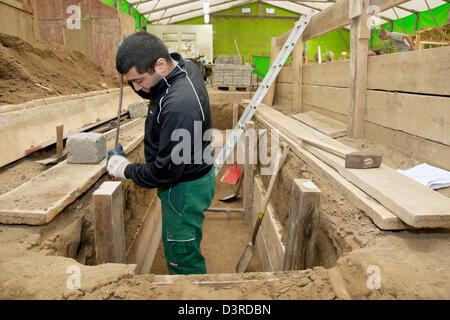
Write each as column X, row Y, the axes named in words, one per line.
column 124, row 6
column 253, row 35
column 408, row 25
column 337, row 41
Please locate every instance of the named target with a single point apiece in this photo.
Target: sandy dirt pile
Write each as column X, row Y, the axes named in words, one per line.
column 25, row 68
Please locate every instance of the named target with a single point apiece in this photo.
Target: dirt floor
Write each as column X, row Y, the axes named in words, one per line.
column 40, row 69
column 345, row 249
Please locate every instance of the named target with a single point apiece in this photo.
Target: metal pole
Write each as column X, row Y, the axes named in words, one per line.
column 429, row 9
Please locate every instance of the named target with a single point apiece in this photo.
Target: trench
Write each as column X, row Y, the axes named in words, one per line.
column 225, row 234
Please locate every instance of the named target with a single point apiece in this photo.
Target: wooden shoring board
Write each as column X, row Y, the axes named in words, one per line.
column 324, row 124
column 40, row 199
column 145, row 243
column 268, row 240
column 412, row 202
column 383, row 218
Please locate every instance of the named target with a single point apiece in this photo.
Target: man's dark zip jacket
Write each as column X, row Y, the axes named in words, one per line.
column 175, row 103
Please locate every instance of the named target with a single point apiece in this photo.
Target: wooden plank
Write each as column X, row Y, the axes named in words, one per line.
column 421, row 71
column 383, row 218
column 324, row 124
column 298, row 76
column 424, row 116
column 358, row 70
column 286, row 75
column 319, row 96
column 40, row 199
column 303, row 208
column 108, row 223
column 145, row 243
column 285, row 90
column 433, row 153
column 335, row 74
column 415, row 204
column 333, row 115
column 24, row 129
column 250, row 160
column 269, row 232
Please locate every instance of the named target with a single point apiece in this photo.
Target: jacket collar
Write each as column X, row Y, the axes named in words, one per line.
column 165, row 83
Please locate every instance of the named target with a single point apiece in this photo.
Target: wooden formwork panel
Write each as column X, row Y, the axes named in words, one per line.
column 286, row 75
column 25, row 129
column 424, row 116
column 285, row 90
column 332, row 74
column 433, row 153
column 423, row 71
column 330, row 98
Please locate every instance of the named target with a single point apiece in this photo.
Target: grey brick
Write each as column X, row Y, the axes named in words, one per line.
column 86, row 147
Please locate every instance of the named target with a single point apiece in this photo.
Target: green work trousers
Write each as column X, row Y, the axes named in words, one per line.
column 182, row 207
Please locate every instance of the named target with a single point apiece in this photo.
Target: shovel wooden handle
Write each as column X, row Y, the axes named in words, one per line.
column 278, row 165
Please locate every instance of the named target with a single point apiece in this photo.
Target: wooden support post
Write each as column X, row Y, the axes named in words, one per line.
column 59, row 139
column 303, row 206
column 250, row 157
column 359, row 35
column 235, row 114
column 268, row 100
column 298, row 76
column 108, row 223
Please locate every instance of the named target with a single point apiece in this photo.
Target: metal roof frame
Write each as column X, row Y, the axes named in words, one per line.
column 172, row 11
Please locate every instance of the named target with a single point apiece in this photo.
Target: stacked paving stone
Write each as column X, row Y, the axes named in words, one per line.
column 229, row 72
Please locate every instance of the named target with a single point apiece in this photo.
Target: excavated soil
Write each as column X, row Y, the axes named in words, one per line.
column 25, row 68
column 344, row 249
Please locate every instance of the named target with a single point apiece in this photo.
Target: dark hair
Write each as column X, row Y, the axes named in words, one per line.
column 140, row 50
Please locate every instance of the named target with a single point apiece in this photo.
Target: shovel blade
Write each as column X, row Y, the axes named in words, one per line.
column 246, row 257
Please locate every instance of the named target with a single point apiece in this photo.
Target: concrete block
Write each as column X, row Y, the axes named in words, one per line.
column 86, row 147
column 138, row 109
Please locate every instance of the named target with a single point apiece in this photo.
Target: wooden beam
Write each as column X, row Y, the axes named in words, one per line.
column 250, row 157
column 359, row 35
column 297, row 76
column 383, row 218
column 108, row 223
column 335, row 17
column 59, row 139
column 414, row 203
column 276, row 48
column 303, row 209
column 39, row 200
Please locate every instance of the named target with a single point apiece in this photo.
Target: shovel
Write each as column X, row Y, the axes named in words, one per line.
column 236, row 192
column 232, row 174
column 247, row 255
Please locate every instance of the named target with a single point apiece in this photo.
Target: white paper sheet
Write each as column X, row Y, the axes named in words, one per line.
column 432, row 177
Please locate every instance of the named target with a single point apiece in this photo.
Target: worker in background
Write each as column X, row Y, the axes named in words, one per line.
column 330, row 56
column 179, row 103
column 402, row 42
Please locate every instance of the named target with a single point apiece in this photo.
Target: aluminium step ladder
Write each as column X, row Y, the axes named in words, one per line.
column 271, row 76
